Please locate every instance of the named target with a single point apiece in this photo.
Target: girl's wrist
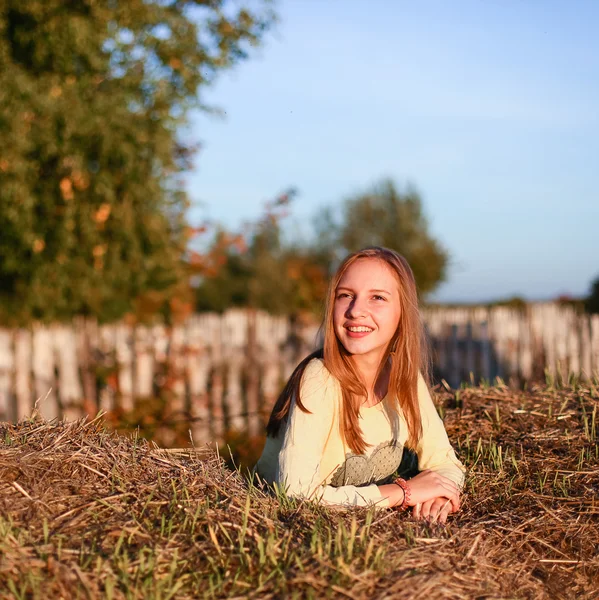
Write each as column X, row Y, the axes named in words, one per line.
column 405, row 486
column 390, row 492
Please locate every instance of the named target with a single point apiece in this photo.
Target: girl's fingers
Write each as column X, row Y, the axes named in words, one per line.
column 454, row 494
column 455, row 504
column 426, row 508
column 436, row 507
column 445, row 510
column 416, row 511
column 455, row 500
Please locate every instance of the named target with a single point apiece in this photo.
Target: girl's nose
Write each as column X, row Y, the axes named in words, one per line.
column 357, row 308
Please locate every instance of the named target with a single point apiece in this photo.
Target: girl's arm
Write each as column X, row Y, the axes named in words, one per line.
column 434, row 451
column 305, row 440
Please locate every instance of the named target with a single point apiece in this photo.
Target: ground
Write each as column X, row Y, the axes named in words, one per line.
column 89, row 513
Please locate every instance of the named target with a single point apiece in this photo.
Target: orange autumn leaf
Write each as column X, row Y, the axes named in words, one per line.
column 99, row 250
column 102, row 214
column 66, row 188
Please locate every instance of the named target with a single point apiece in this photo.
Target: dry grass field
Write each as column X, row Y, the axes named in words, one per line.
column 88, row 513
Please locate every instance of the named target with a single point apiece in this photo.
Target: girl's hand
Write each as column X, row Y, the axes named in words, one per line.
column 429, row 486
column 426, row 487
column 433, row 510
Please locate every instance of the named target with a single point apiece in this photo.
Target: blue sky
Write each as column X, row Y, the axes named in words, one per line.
column 489, row 108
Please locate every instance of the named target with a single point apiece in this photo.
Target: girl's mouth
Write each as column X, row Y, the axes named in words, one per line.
column 358, row 332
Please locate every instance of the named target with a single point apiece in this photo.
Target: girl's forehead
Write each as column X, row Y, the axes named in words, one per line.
column 369, row 273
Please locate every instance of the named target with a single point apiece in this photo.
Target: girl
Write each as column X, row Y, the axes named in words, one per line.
column 338, row 431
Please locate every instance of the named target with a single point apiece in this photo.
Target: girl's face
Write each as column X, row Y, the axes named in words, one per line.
column 367, row 308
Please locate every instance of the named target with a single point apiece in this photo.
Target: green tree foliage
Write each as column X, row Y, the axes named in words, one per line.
column 225, row 279
column 382, row 216
column 592, row 301
column 93, row 98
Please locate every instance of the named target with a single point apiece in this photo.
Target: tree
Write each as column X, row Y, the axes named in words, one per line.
column 382, row 216
column 259, row 269
column 94, row 96
column 226, row 275
column 592, row 301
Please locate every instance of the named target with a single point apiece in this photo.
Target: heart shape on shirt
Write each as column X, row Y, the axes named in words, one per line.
column 359, row 469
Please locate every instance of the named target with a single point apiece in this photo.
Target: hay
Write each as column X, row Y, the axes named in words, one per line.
column 87, row 513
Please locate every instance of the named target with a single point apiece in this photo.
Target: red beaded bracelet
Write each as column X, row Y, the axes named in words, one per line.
column 405, row 486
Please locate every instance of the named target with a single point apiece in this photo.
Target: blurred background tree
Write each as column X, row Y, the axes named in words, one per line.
column 260, row 269
column 591, row 304
column 382, row 216
column 94, row 96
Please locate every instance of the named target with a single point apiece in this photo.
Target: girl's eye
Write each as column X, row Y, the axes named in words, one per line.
column 343, row 295
column 379, row 298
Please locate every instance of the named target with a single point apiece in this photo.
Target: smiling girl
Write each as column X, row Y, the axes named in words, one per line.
column 340, row 428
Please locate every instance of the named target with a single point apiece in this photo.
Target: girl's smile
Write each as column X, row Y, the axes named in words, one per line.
column 358, row 331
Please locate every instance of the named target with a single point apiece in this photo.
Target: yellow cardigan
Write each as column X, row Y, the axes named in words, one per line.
column 310, row 458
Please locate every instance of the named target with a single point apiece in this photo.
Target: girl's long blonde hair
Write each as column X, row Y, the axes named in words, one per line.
column 408, row 350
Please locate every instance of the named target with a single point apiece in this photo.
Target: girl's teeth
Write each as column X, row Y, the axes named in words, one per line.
column 359, row 329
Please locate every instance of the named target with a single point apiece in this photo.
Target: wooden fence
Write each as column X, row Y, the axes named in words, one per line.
column 223, row 372
column 517, row 344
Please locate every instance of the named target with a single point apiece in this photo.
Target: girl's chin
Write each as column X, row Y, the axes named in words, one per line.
column 357, row 349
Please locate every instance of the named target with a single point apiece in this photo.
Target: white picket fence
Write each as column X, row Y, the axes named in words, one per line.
column 225, row 371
